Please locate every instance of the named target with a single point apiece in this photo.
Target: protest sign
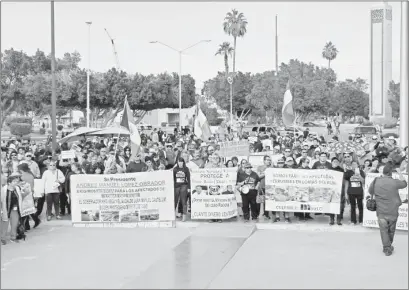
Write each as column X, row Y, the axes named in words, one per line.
column 123, row 200
column 27, row 202
column 234, row 148
column 370, row 218
column 68, row 154
column 213, row 193
column 38, row 188
column 300, row 190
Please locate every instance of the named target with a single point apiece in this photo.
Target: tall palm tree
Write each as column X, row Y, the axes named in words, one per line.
column 329, row 52
column 235, row 24
column 225, row 50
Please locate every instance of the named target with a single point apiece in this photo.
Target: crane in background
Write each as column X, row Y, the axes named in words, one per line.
column 114, row 49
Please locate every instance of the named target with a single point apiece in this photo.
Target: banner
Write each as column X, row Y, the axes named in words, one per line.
column 370, row 218
column 123, row 200
column 213, row 193
column 300, row 190
column 234, row 148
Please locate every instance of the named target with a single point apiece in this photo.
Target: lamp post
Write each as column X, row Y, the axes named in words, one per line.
column 88, row 71
column 53, row 86
column 180, row 72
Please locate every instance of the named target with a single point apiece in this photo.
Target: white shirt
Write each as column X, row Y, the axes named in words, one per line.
column 50, row 178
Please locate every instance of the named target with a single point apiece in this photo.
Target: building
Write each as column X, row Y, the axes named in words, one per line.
column 381, row 62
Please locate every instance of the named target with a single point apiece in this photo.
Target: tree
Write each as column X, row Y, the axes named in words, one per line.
column 226, row 51
column 213, row 117
column 16, row 65
column 263, row 96
column 235, row 24
column 218, row 89
column 394, row 98
column 329, row 52
column 349, row 100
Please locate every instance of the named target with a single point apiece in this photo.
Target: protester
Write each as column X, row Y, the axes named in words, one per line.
column 11, row 200
column 181, row 176
column 385, row 189
column 53, row 178
column 247, row 183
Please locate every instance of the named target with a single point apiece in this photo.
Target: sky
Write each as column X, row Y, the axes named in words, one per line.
column 303, row 30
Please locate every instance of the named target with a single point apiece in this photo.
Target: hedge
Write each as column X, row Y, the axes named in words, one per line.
column 19, row 120
column 20, row 129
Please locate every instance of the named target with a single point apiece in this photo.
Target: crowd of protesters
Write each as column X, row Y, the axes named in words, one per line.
column 22, row 162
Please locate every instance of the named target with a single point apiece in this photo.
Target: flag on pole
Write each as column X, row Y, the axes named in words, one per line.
column 288, row 111
column 128, row 123
column 201, row 126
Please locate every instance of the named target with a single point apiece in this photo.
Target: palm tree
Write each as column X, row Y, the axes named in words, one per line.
column 329, row 52
column 235, row 24
column 226, row 50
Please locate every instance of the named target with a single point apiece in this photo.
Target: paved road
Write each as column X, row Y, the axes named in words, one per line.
column 208, row 256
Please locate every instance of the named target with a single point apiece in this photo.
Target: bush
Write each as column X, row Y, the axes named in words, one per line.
column 19, row 120
column 60, row 127
column 42, row 131
column 20, row 129
column 386, row 123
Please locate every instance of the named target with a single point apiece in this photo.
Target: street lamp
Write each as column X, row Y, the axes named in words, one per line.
column 88, row 71
column 180, row 72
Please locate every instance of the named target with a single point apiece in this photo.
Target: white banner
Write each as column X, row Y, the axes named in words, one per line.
column 213, row 193
column 301, row 190
column 370, row 218
column 123, row 200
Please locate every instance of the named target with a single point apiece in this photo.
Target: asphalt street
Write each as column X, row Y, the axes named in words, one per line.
column 202, row 255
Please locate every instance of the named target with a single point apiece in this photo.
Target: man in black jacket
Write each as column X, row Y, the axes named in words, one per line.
column 247, row 184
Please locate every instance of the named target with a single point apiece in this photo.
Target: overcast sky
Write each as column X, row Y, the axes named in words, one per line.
column 304, row 28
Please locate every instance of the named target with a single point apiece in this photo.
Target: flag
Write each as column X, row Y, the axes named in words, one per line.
column 288, row 111
column 201, row 126
column 128, row 123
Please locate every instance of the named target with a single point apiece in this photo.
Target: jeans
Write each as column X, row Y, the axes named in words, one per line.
column 181, row 197
column 387, row 227
column 250, row 200
column 53, row 198
column 356, row 200
column 14, row 221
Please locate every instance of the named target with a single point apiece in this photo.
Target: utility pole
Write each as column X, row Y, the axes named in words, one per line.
column 276, row 74
column 53, row 89
column 88, row 71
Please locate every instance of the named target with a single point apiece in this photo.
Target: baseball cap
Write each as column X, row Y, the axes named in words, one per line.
column 248, row 165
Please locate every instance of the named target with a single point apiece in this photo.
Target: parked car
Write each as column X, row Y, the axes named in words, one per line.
column 366, row 131
column 263, row 128
column 313, row 124
column 298, row 130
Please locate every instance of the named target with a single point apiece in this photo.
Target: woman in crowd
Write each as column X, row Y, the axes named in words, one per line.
column 181, row 177
column 229, row 164
column 53, row 178
column 28, row 177
column 11, row 200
